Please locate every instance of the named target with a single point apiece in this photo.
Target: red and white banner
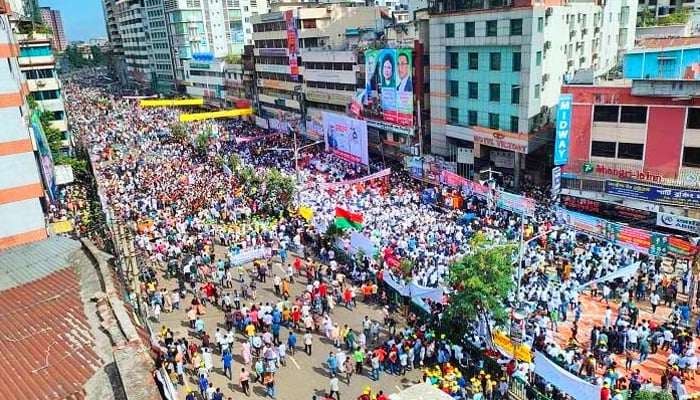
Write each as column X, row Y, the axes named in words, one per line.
column 246, row 139
column 376, row 175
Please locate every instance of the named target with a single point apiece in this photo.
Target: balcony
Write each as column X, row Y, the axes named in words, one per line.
column 52, row 105
column 677, row 89
column 36, row 85
column 60, row 124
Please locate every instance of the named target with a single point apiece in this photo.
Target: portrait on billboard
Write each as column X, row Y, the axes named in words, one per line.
column 404, row 73
column 387, row 69
column 371, row 73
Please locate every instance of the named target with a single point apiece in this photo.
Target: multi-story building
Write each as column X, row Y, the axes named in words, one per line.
column 116, row 48
column 25, row 163
column 38, row 65
column 664, row 58
column 496, row 69
column 160, row 55
column 209, row 27
column 325, row 68
column 52, row 19
column 636, row 143
column 132, row 24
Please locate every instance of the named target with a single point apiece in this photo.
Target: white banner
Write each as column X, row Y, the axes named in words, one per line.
column 684, row 224
column 564, row 380
column 261, row 122
column 376, row 175
column 620, row 273
column 346, row 137
column 251, row 255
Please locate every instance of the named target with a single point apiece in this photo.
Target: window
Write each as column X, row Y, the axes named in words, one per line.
column 449, row 30
column 630, row 151
column 515, row 94
column 469, row 29
column 453, row 117
column 493, row 121
column 605, row 113
column 454, row 88
column 454, row 60
column 474, row 90
column 633, row 115
column 492, row 28
column 494, row 92
column 537, row 91
column 603, row 149
column 472, row 117
column 693, row 118
column 516, row 27
column 495, row 61
column 513, row 124
column 517, row 62
column 540, row 24
column 691, row 157
column 473, row 60
column 538, row 59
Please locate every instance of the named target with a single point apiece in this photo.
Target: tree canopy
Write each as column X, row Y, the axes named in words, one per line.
column 482, row 282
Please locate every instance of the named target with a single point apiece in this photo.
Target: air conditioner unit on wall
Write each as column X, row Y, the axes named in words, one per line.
column 40, row 83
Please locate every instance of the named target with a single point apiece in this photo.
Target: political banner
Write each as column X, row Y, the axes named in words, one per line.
column 291, row 21
column 346, row 137
column 515, row 203
column 388, row 93
column 246, row 256
column 582, row 222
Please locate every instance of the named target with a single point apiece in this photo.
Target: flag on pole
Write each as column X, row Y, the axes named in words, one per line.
column 347, row 219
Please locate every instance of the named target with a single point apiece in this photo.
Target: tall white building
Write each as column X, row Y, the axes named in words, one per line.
column 133, row 26
column 160, row 55
column 496, row 70
column 209, row 29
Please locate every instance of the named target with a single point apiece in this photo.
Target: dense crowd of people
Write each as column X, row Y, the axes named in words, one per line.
column 197, row 219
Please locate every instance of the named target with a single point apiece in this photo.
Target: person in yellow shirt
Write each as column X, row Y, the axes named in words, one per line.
column 250, row 330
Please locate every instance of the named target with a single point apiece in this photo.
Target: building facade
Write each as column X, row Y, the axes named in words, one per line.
column 664, row 58
column 38, row 66
column 634, row 144
column 209, row 27
column 132, row 23
column 116, row 48
column 326, row 71
column 495, row 82
column 22, row 181
column 52, row 19
column 160, row 56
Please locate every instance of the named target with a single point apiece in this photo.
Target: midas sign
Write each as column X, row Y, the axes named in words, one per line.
column 522, row 353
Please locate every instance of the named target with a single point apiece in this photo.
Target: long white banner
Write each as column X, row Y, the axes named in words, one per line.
column 247, row 256
column 376, row 175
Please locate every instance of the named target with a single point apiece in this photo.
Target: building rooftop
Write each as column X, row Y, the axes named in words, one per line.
column 46, row 338
column 661, row 43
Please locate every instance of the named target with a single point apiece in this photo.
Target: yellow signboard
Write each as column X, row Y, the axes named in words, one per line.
column 522, row 353
column 170, row 103
column 216, row 114
column 62, row 227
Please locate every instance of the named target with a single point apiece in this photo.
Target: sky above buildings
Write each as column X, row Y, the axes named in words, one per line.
column 82, row 19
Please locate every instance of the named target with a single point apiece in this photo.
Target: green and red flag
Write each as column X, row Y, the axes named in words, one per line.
column 347, row 219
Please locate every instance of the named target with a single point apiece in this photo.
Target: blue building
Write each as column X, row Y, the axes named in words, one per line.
column 664, row 58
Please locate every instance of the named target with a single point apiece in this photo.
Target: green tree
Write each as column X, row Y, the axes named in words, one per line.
column 233, row 58
column 280, row 188
column 235, row 162
column 482, row 281
column 179, row 131
column 75, row 57
column 98, row 58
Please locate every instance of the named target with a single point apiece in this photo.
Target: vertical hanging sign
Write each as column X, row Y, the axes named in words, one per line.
column 292, row 44
column 563, row 131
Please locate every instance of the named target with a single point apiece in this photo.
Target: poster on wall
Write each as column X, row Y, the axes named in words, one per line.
column 388, row 93
column 346, row 137
column 45, row 157
column 292, row 38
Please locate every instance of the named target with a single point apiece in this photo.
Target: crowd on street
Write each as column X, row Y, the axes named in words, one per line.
column 197, row 220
